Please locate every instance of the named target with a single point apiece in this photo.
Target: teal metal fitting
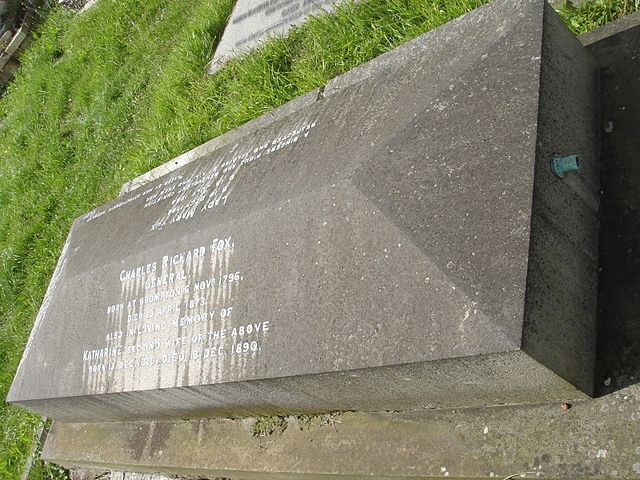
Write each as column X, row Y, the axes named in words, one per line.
column 563, row 165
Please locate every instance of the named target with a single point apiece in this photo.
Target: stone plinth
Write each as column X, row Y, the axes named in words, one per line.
column 590, row 440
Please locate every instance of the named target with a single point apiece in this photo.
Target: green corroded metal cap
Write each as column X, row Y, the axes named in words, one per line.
column 563, row 165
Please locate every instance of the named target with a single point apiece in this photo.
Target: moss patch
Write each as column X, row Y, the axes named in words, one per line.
column 267, row 426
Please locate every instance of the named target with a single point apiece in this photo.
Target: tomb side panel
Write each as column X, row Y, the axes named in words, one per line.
column 561, row 305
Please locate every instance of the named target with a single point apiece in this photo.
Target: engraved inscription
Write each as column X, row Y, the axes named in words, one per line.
column 178, row 318
column 177, row 309
column 185, row 196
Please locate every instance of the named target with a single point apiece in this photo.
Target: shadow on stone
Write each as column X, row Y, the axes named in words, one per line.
column 618, row 363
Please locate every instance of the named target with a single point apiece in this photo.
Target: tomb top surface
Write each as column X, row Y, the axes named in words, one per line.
column 385, row 227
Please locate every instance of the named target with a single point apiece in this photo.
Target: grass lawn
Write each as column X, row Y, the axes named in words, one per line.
column 108, row 95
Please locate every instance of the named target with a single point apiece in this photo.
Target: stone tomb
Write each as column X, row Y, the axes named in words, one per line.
column 254, row 21
column 400, row 241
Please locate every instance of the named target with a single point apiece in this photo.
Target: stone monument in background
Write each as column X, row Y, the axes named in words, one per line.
column 253, row 21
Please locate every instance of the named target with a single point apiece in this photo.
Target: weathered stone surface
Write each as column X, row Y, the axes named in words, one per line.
column 617, row 49
column 252, row 22
column 597, row 439
column 402, row 242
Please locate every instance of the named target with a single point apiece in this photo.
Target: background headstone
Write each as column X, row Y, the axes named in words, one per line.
column 253, row 21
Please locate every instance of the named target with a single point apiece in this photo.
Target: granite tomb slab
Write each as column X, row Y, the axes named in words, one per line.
column 402, row 242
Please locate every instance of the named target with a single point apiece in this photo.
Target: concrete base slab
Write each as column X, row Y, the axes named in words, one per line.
column 597, row 438
column 83, row 474
column 593, row 439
